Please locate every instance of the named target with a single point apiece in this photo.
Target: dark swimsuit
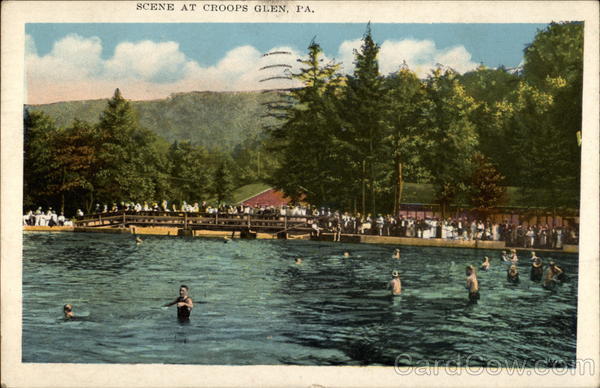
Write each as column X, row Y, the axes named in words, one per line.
column 473, row 296
column 536, row 273
column 183, row 312
column 512, row 279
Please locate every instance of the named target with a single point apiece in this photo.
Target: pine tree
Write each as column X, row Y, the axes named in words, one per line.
column 127, row 162
column 305, row 143
column 363, row 112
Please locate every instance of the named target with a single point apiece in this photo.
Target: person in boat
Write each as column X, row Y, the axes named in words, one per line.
column 68, row 311
column 184, row 304
column 395, row 285
column 512, row 275
column 486, row 264
column 472, row 285
column 537, row 269
column 396, row 254
column 554, row 275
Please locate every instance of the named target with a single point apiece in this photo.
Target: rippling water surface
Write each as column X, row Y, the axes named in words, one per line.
column 255, row 306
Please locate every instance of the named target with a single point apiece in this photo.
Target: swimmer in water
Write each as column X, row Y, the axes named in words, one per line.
column 395, row 285
column 513, row 256
column 68, row 311
column 512, row 275
column 537, row 269
column 554, row 275
column 184, row 304
column 346, row 254
column 138, row 240
column 226, row 239
column 486, row 264
column 298, row 261
column 472, row 285
column 505, row 256
column 396, row 254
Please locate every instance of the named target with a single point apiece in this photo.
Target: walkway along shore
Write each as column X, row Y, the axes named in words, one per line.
column 347, row 238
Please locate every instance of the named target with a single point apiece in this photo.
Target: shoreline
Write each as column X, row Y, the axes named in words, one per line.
column 346, row 238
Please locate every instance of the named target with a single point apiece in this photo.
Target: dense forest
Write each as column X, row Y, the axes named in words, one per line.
column 345, row 141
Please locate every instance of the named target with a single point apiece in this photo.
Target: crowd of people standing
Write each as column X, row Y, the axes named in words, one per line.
column 322, row 219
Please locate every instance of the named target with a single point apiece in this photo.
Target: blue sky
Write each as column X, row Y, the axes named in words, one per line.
column 155, row 60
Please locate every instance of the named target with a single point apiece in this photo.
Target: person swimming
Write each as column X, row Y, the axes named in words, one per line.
column 505, row 256
column 68, row 311
column 486, row 264
column 537, row 270
column 298, row 261
column 472, row 285
column 513, row 256
column 138, row 240
column 554, row 275
column 512, row 275
column 184, row 304
column 396, row 254
column 395, row 284
column 346, row 254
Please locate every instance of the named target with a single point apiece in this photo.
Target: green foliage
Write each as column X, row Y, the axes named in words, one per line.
column 304, row 143
column 486, row 190
column 403, row 117
column 344, row 142
column 190, row 172
column 126, row 164
column 363, row 110
column 214, row 120
column 450, row 136
column 39, row 131
column 222, row 182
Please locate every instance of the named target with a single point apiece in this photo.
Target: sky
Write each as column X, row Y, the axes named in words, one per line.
column 71, row 61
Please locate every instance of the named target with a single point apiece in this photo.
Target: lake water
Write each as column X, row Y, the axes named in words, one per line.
column 255, row 306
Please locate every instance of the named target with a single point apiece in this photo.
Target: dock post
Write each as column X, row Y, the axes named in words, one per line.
column 184, row 220
column 123, row 218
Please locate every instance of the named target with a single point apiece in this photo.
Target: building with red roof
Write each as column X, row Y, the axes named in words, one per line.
column 269, row 197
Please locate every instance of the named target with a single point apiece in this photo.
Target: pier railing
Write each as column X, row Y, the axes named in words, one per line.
column 266, row 223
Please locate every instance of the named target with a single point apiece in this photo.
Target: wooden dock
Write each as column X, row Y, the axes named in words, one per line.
column 246, row 224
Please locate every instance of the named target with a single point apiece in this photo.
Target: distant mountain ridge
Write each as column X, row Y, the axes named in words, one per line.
column 215, row 120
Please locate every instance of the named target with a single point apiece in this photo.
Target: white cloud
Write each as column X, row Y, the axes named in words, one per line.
column 74, row 68
column 146, row 60
column 420, row 55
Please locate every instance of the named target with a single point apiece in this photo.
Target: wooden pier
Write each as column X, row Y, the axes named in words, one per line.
column 246, row 224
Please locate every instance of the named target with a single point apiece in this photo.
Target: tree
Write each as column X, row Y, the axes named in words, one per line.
column 189, row 171
column 450, row 136
column 554, row 68
column 486, row 190
column 363, row 111
column 127, row 164
column 39, row 132
column 405, row 98
column 493, row 93
column 305, row 143
column 222, row 182
column 74, row 161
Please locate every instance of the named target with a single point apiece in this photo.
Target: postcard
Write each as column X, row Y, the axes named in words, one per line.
column 299, row 193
